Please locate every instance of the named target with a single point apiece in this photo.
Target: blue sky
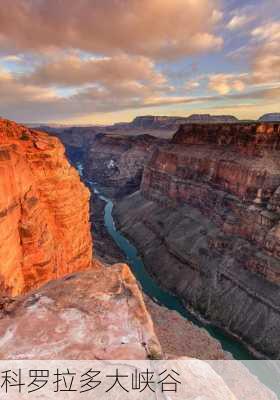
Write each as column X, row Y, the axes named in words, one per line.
column 107, row 61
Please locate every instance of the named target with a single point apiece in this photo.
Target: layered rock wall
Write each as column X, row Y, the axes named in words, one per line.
column 208, row 225
column 231, row 176
column 44, row 211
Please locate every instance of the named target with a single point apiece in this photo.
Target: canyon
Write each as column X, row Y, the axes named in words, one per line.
column 206, row 221
column 58, row 299
column 203, row 213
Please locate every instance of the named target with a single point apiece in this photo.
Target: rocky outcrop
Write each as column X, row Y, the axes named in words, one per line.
column 98, row 314
column 116, row 162
column 44, row 211
column 207, row 222
column 271, row 117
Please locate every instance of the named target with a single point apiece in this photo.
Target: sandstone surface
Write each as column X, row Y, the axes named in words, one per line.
column 44, row 211
column 97, row 314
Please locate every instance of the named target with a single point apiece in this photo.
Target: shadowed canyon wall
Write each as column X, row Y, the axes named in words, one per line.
column 208, row 225
column 116, row 162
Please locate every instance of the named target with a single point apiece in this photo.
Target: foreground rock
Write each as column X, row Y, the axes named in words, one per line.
column 207, row 224
column 44, row 211
column 99, row 314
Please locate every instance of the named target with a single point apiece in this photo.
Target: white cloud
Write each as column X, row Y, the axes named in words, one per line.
column 74, row 71
column 266, row 60
column 192, row 84
column 238, row 21
column 225, row 83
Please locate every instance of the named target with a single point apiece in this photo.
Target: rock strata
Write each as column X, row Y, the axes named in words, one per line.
column 207, row 224
column 44, row 211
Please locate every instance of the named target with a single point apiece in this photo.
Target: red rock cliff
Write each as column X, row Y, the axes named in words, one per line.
column 44, row 209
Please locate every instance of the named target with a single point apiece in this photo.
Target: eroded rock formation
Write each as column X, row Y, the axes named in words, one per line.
column 207, row 222
column 44, row 220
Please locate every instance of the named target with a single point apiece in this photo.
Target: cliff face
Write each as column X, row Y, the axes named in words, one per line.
column 215, row 239
column 246, row 138
column 44, row 227
column 231, row 174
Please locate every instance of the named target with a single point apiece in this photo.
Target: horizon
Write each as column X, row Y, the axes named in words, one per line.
column 61, row 64
column 50, row 123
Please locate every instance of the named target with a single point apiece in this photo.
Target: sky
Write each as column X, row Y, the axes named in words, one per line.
column 106, row 61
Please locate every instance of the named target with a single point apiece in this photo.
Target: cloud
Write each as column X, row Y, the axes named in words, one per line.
column 153, row 28
column 11, row 58
column 238, row 21
column 27, row 102
column 192, row 84
column 75, row 71
column 225, row 83
column 266, row 60
column 14, row 93
column 65, row 59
